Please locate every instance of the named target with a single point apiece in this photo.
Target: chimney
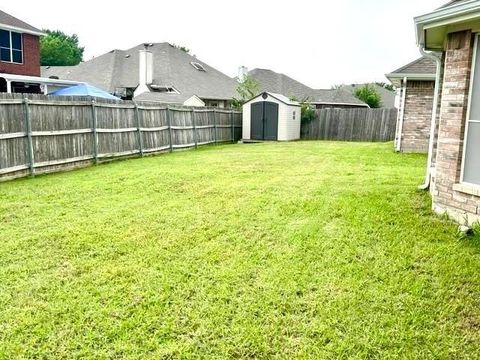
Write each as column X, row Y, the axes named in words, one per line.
column 242, row 73
column 145, row 70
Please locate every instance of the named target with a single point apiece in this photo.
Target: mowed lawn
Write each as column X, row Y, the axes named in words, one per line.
column 299, row 250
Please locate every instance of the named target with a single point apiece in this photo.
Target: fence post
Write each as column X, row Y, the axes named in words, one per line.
column 169, row 123
column 232, row 115
column 194, row 129
column 215, row 125
column 28, row 127
column 139, row 129
column 94, row 130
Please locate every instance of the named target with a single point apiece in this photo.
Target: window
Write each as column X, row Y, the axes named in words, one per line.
column 471, row 163
column 164, row 89
column 11, row 47
column 198, row 66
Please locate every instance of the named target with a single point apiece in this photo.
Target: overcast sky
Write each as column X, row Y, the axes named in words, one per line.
column 319, row 43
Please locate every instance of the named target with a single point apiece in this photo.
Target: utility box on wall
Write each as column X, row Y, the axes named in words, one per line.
column 271, row 117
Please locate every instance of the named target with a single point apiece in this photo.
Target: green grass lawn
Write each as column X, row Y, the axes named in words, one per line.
column 299, row 250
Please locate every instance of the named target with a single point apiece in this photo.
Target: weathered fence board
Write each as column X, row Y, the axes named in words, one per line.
column 351, row 125
column 44, row 134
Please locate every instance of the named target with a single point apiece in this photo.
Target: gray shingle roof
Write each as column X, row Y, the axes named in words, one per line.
column 335, row 96
column 171, row 67
column 274, row 82
column 388, row 97
column 421, row 66
column 9, row 20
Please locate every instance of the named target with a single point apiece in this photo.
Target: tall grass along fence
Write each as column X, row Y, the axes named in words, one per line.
column 44, row 134
column 351, row 125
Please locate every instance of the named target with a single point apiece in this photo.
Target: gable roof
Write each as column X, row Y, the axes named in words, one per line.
column 10, row 22
column 277, row 83
column 171, row 67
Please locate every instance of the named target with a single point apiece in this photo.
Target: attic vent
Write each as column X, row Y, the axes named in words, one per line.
column 198, row 66
column 164, row 89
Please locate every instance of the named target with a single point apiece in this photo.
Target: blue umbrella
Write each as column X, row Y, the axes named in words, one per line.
column 84, row 90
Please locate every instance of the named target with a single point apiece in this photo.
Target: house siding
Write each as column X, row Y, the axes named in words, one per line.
column 31, row 58
column 460, row 205
column 417, row 116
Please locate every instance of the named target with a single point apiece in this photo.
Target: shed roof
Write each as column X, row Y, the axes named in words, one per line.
column 13, row 23
column 279, row 97
column 171, row 67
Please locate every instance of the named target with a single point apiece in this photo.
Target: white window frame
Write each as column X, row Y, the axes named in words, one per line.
column 469, row 106
column 11, row 48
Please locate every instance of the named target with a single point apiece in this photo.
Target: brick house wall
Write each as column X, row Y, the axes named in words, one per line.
column 31, row 58
column 448, row 196
column 417, row 116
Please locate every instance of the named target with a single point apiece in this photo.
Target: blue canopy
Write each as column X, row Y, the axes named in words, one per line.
column 84, row 90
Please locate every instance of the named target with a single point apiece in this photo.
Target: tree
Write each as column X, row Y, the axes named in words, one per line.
column 369, row 95
column 386, row 86
column 183, row 48
column 60, row 49
column 247, row 89
column 307, row 110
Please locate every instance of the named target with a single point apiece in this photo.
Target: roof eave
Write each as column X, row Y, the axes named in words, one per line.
column 338, row 103
column 411, row 76
column 22, row 30
column 443, row 17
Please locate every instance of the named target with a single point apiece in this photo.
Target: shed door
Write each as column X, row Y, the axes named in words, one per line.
column 264, row 121
column 256, row 121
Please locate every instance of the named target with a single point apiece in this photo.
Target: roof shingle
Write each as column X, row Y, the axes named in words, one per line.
column 274, row 82
column 171, row 67
column 12, row 21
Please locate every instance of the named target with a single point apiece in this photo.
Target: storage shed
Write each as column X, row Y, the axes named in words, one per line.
column 271, row 117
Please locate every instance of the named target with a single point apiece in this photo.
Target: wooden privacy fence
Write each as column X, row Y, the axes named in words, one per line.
column 354, row 124
column 43, row 134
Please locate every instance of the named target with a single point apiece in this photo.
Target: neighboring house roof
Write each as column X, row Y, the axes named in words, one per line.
column 10, row 22
column 171, row 67
column 271, row 81
column 388, row 97
column 422, row 69
column 336, row 97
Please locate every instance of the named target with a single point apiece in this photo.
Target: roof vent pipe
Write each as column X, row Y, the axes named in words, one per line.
column 145, row 75
column 242, row 73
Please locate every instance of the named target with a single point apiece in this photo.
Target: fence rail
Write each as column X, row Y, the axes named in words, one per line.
column 43, row 134
column 351, row 125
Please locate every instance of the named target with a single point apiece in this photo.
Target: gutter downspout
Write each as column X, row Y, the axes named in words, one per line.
column 401, row 116
column 438, row 60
